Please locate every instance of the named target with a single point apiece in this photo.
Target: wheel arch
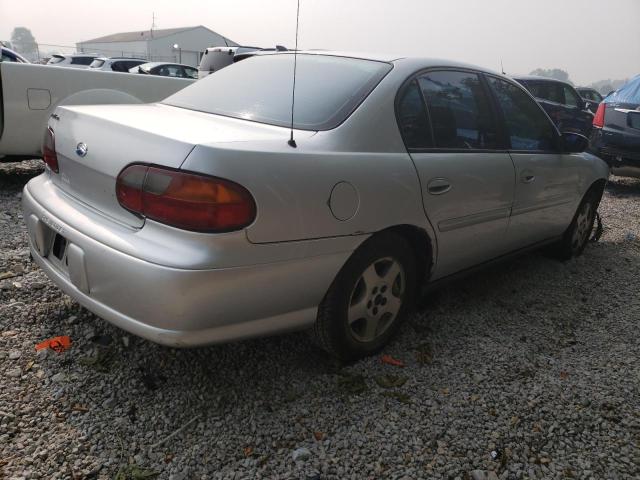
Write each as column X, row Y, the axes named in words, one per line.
column 421, row 243
column 597, row 188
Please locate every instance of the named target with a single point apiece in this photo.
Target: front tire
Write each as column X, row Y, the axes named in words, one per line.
column 369, row 299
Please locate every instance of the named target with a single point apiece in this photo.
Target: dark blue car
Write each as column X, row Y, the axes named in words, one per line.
column 562, row 103
column 616, row 133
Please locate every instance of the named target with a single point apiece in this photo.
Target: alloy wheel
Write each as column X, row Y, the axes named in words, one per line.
column 582, row 229
column 376, row 299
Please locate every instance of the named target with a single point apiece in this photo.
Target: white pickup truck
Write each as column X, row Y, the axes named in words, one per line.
column 30, row 93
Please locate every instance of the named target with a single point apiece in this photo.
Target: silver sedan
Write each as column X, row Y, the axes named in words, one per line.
column 205, row 219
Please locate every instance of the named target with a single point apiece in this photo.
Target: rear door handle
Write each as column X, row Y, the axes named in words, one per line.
column 527, row 177
column 438, row 186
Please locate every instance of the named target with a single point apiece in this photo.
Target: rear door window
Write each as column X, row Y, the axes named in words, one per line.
column 412, row 117
column 528, row 127
column 459, row 110
column 550, row 91
column 190, row 72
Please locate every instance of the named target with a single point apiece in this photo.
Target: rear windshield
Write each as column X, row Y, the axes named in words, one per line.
column 328, row 89
column 214, row 60
column 55, row 59
column 97, row 63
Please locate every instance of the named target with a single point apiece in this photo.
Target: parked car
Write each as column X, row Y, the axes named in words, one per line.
column 8, row 55
column 216, row 58
column 166, row 70
column 616, row 132
column 116, row 64
column 78, row 60
column 591, row 97
column 205, row 219
column 562, row 102
column 29, row 94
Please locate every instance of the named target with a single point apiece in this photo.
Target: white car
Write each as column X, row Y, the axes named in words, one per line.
column 80, row 60
column 116, row 64
column 29, row 94
column 164, row 69
column 216, row 58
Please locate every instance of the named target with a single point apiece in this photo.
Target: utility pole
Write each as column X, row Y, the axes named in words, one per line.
column 153, row 25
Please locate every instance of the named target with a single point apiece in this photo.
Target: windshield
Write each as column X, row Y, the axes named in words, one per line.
column 328, row 89
column 55, row 59
column 97, row 63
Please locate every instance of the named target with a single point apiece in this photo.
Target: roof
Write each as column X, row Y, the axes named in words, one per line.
column 156, row 64
column 379, row 57
column 538, row 78
column 143, row 35
column 74, row 55
column 410, row 61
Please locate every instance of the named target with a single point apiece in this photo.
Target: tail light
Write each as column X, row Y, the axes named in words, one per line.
column 598, row 119
column 49, row 150
column 185, row 200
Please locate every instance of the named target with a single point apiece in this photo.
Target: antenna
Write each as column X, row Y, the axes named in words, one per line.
column 292, row 142
column 502, row 67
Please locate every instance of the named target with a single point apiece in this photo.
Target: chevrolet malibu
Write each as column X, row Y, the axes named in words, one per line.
column 196, row 220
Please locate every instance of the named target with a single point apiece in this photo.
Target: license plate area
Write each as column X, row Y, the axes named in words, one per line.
column 58, row 252
column 59, row 247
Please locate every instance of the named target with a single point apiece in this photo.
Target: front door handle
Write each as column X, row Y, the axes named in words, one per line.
column 438, row 186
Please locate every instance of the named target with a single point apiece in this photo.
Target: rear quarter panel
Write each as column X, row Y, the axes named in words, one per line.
column 293, row 186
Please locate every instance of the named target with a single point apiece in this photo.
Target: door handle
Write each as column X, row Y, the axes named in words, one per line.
column 438, row 186
column 527, row 177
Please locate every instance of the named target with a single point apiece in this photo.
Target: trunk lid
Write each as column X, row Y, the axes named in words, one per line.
column 118, row 135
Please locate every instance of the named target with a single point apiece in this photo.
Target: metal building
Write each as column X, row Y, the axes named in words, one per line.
column 184, row 45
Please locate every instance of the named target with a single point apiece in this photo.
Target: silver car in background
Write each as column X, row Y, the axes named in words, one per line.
column 195, row 221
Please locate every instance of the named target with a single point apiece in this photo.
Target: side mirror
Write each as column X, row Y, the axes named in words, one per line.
column 574, row 142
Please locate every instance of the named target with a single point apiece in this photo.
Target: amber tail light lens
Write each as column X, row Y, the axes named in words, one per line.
column 185, row 200
column 49, row 150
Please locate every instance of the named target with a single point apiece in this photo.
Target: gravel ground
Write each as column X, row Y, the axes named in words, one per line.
column 535, row 361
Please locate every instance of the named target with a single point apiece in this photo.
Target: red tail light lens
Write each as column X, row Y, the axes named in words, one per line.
column 185, row 200
column 598, row 119
column 49, row 150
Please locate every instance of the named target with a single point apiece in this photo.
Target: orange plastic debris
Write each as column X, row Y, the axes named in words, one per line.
column 58, row 344
column 389, row 360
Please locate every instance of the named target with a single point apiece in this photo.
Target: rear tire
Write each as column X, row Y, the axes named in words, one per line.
column 368, row 300
column 576, row 237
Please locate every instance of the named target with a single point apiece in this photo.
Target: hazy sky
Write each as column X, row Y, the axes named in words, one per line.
column 591, row 39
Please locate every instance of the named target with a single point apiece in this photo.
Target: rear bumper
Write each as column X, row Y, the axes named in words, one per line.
column 622, row 154
column 176, row 306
